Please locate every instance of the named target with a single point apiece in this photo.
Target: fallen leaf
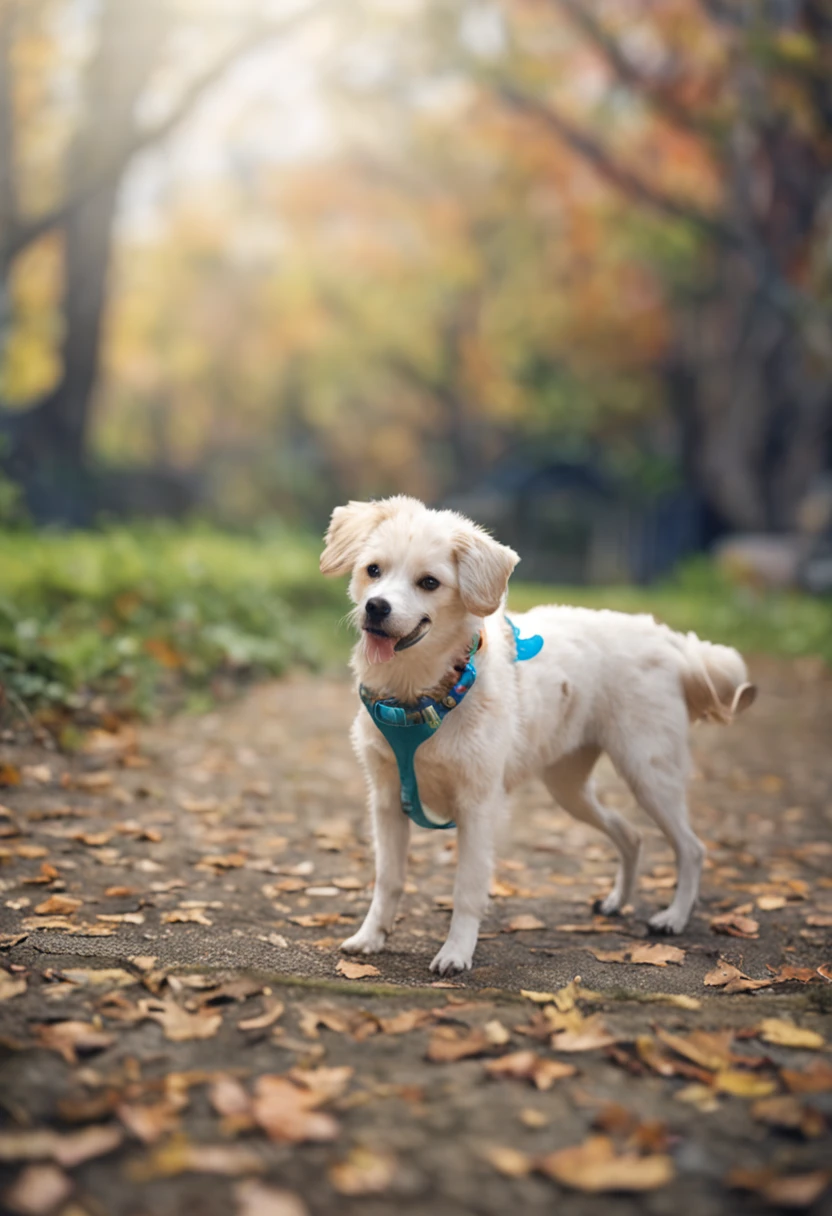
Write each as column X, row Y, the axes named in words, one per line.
column 816, row 1078
column 787, row 1111
column 189, row 916
column 271, row 1012
column 735, row 925
column 255, row 1198
column 787, row 973
column 726, row 975
column 656, row 954
column 149, row 1123
column 787, row 1034
column 179, row 1156
column 595, row 1167
column 523, row 923
column 582, row 1034
column 179, row 1025
column 8, row 940
column 496, row 1033
column 404, row 1022
column 365, row 1171
column 287, row 1113
column 783, row 1190
column 509, row 1162
column 100, row 977
column 529, row 1066
column 58, row 905
column 743, row 1084
column 356, row 971
column 11, row 985
column 325, row 1083
column 709, row 1049
column 38, row 1190
column 71, row 1037
column 66, row 1148
column 447, row 1045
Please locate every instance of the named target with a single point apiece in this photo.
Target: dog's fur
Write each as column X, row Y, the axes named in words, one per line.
column 604, row 682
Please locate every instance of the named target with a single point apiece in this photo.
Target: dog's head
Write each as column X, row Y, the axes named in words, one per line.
column 416, row 573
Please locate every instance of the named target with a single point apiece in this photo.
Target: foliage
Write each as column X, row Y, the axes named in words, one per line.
column 150, row 618
column 141, row 616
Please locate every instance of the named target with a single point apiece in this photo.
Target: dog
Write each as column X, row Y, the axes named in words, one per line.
column 551, row 690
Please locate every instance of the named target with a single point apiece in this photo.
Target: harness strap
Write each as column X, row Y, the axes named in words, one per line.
column 407, row 727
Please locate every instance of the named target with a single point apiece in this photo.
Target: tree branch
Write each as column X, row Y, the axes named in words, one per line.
column 24, row 233
column 615, row 173
column 626, row 71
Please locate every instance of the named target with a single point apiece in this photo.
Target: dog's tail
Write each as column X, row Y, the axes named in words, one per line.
column 715, row 680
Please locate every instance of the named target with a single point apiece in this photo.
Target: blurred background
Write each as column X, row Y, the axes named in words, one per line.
column 563, row 264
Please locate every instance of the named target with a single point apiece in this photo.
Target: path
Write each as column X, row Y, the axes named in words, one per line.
column 224, row 857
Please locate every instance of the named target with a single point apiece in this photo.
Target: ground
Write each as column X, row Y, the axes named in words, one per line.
column 164, row 888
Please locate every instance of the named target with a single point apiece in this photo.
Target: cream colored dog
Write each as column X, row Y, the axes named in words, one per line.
column 424, row 583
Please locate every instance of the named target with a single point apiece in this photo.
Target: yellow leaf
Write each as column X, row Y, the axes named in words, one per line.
column 787, row 1034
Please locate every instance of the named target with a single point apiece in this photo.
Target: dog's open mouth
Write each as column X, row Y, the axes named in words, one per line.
column 380, row 647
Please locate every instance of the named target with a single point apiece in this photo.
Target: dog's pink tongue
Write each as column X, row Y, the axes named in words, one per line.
column 379, row 650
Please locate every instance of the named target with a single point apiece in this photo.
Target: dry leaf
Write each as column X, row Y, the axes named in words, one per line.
column 179, row 1156
column 66, row 1148
column 743, row 1084
column 529, row 1066
column 788, row 1112
column 404, row 1022
column 58, row 905
column 509, row 1162
column 786, row 1034
column 71, row 1037
column 255, row 1198
column 271, row 1012
column 736, row 925
column 656, row 954
column 784, row 1190
column 7, row 940
column 594, row 1167
column 708, row 1049
column 356, row 971
column 364, row 1172
column 523, row 923
column 816, row 1078
column 179, row 1025
column 286, row 1112
column 186, row 916
column 38, row 1190
column 149, row 1123
column 325, row 1084
column 726, row 975
column 448, row 1045
column 11, row 985
column 581, row 1034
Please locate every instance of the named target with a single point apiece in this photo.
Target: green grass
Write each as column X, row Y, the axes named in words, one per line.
column 143, row 619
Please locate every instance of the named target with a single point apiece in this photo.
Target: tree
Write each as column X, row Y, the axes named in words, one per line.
column 747, row 89
column 48, row 441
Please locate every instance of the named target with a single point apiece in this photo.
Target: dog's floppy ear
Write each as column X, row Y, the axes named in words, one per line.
column 348, row 529
column 484, row 569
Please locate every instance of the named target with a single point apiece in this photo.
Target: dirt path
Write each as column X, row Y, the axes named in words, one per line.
column 158, row 892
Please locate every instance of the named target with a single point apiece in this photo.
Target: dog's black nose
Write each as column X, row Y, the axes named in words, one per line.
column 377, row 609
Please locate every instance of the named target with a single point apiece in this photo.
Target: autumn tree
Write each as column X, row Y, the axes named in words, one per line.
column 745, row 92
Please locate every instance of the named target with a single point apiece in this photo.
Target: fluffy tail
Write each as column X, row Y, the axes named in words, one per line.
column 715, row 680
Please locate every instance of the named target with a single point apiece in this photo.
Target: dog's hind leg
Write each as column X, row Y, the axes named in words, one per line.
column 392, row 834
column 657, row 775
column 569, row 783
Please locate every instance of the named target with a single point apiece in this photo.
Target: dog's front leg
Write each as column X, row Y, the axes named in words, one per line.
column 391, row 828
column 475, row 862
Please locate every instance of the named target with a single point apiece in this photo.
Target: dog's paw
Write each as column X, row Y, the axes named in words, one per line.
column 611, row 906
column 452, row 958
column 667, row 922
column 365, row 941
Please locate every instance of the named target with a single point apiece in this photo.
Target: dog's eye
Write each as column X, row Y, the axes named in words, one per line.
column 428, row 583
column 373, row 571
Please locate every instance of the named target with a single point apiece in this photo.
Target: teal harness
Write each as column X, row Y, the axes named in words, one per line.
column 407, row 727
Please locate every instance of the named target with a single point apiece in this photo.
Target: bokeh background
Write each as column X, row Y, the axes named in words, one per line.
column 563, row 264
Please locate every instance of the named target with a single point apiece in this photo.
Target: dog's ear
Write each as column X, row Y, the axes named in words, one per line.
column 348, row 529
column 484, row 569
